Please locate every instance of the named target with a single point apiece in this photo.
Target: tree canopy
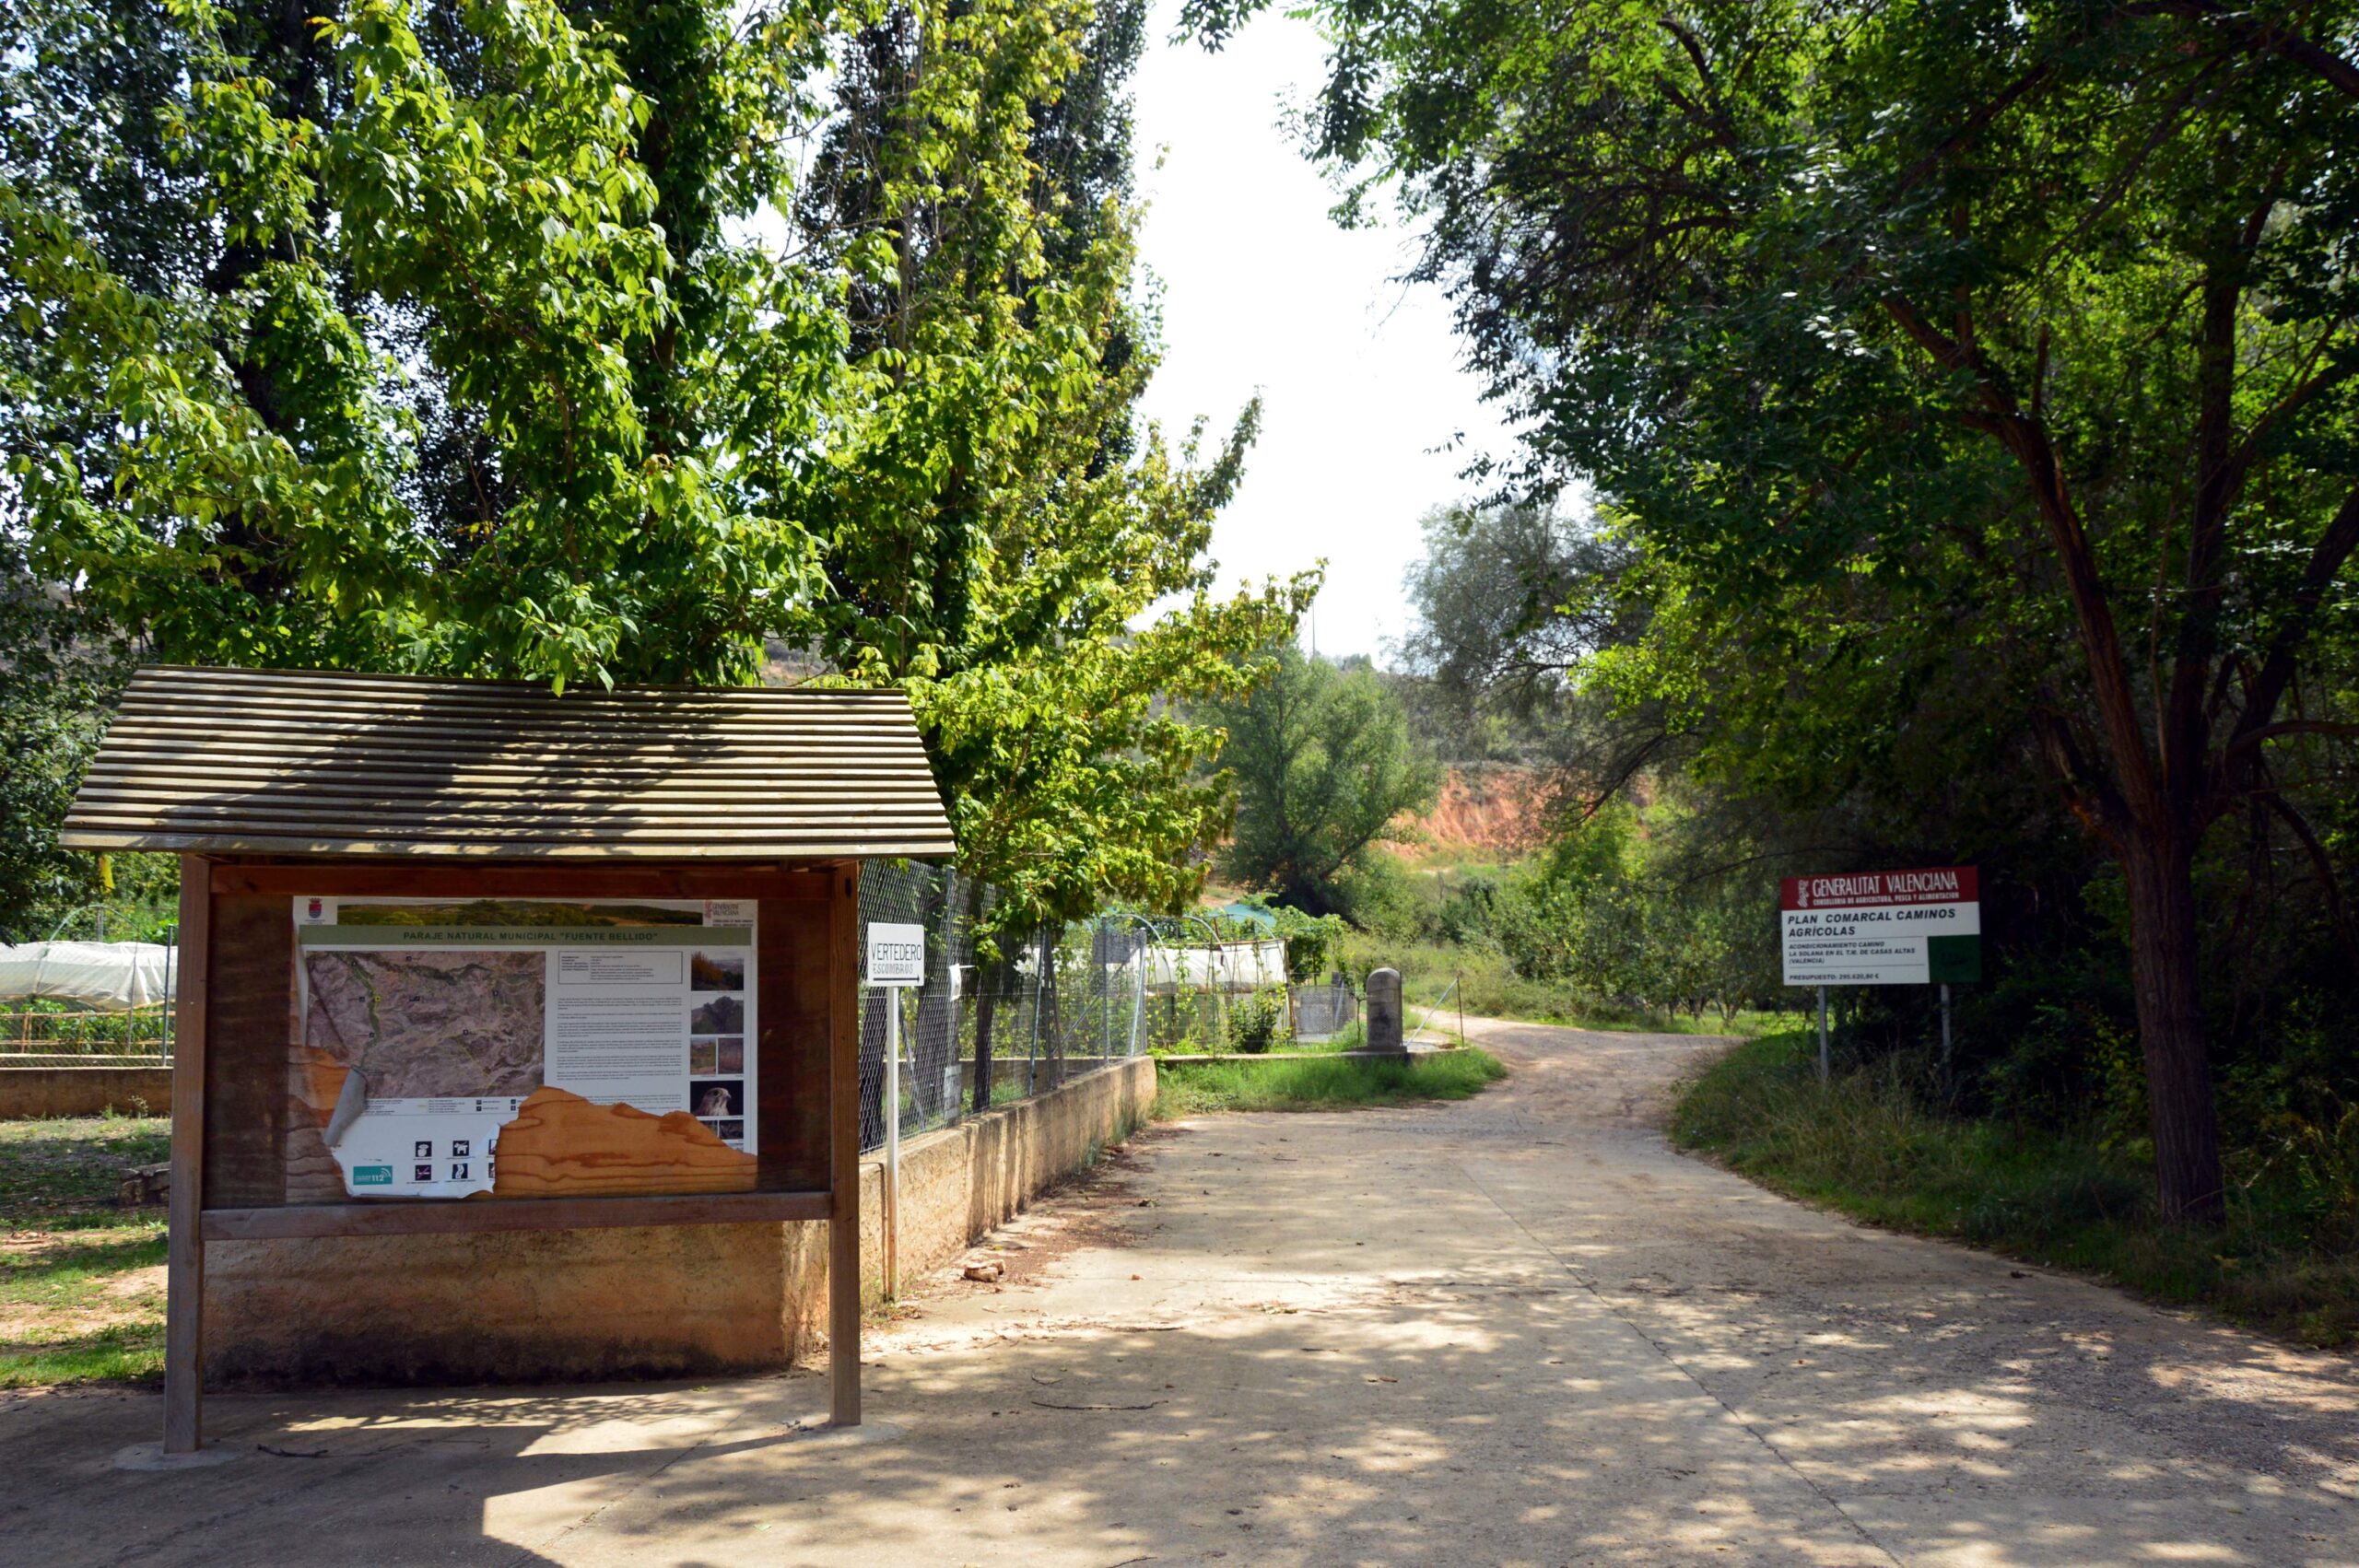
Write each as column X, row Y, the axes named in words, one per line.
column 1324, row 763
column 1942, row 340
column 1003, row 521
column 623, row 340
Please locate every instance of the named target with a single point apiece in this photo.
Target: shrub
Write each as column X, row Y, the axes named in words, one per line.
column 1255, row 1021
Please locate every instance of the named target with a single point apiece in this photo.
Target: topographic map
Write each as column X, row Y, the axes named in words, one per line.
column 430, row 1025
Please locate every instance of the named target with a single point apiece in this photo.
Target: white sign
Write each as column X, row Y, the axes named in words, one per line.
column 896, row 954
column 1912, row 927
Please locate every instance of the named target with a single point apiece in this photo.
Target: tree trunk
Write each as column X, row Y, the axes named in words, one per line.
column 2170, row 1026
column 986, row 1002
column 933, row 1051
column 987, row 978
column 1053, row 1025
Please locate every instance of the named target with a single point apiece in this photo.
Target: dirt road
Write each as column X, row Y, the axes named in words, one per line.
column 1519, row 1330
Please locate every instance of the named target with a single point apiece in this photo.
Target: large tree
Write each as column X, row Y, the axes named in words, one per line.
column 1002, row 526
column 2040, row 315
column 412, row 336
column 464, row 336
column 1324, row 764
column 1005, row 523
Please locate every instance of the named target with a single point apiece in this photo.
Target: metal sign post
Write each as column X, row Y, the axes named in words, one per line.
column 1945, row 1036
column 892, row 1141
column 1822, row 1066
column 896, row 959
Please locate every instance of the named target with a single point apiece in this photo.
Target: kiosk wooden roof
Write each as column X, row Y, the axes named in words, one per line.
column 275, row 786
column 316, row 763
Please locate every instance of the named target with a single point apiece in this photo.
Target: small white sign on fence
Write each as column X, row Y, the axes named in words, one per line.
column 896, row 954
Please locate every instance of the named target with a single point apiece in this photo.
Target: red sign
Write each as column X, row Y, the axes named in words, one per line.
column 1867, row 890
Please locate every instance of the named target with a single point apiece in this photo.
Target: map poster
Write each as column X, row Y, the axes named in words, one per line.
column 427, row 1025
column 1908, row 928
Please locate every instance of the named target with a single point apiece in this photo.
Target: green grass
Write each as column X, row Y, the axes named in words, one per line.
column 72, row 1274
column 1316, row 1086
column 68, row 1246
column 1352, row 1036
column 1867, row 1145
column 123, row 1352
column 61, row 1173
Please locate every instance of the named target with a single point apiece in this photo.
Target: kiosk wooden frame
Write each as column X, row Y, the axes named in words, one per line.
column 275, row 785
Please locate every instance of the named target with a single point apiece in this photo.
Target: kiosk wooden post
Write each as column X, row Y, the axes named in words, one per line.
column 843, row 1231
column 184, row 1248
column 276, row 787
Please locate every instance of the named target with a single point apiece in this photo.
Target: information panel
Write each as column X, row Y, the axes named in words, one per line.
column 1910, row 928
column 427, row 1027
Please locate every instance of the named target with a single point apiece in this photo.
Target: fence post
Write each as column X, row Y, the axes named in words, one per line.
column 1138, row 1000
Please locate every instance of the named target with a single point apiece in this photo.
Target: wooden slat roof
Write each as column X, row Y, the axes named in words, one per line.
column 312, row 761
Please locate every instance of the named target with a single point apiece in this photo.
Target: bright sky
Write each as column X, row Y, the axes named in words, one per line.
column 1364, row 404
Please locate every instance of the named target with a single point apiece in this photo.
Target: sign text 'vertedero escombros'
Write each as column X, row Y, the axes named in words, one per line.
column 896, row 954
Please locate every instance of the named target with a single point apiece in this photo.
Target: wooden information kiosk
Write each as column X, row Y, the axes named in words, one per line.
column 468, row 957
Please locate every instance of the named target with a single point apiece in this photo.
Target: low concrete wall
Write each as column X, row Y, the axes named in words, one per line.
column 578, row 1305
column 27, row 1092
column 964, row 1180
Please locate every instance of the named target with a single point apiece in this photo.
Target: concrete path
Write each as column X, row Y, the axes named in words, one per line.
column 1514, row 1330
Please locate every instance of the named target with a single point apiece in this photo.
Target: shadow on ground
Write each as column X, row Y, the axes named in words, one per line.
column 1518, row 1329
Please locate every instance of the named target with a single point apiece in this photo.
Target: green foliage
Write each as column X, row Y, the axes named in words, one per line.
column 1618, row 914
column 1257, row 1022
column 1002, row 520
column 1312, row 942
column 1511, row 603
column 1472, row 912
column 465, row 338
column 1324, row 764
column 1969, row 382
column 371, row 222
column 1579, row 918
column 58, row 670
column 1314, row 1084
column 1487, row 986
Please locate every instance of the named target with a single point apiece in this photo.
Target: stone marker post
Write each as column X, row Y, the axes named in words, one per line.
column 1384, row 1010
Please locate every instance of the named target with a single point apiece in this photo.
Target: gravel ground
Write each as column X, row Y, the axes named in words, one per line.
column 1518, row 1329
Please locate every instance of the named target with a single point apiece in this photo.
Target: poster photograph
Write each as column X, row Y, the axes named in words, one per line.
column 612, row 1034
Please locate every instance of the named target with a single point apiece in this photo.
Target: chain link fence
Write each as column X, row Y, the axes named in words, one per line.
column 1324, row 1009
column 1058, row 1001
column 39, row 1033
column 1062, row 1001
